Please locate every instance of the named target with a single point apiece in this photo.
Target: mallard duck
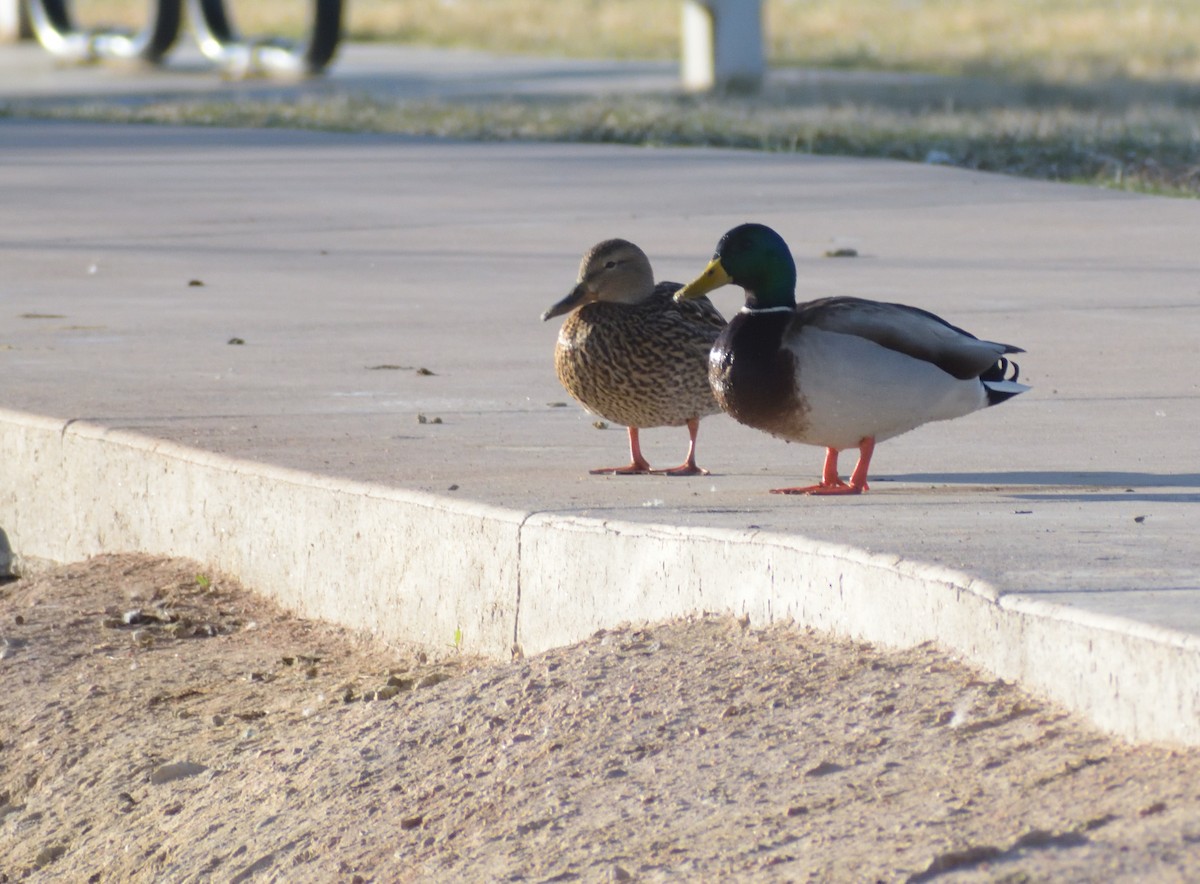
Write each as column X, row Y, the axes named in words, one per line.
column 838, row 372
column 633, row 355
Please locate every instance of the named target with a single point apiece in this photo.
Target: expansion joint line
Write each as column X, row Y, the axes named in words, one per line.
column 515, row 648
column 62, row 433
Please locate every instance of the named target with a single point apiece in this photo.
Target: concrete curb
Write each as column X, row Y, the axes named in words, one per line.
column 415, row 568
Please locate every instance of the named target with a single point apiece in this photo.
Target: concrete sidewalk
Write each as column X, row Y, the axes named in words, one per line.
column 1052, row 540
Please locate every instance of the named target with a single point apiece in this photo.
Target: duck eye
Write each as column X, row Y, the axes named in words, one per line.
column 609, row 265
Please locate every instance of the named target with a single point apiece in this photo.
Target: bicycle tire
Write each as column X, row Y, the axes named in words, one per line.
column 55, row 29
column 221, row 44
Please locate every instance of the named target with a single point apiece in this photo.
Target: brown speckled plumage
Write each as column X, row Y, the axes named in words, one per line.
column 628, row 352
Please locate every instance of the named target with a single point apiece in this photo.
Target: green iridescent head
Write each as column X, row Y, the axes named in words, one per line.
column 754, row 257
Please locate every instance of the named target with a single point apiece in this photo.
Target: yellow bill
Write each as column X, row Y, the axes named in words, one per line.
column 713, row 277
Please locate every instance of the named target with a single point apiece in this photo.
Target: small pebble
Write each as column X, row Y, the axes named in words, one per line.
column 176, row 770
column 428, row 681
column 823, row 769
column 49, row 854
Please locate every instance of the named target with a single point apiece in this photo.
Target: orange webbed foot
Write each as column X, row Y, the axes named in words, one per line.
column 638, row 465
column 634, row 469
column 831, row 484
column 685, row 469
column 688, row 467
column 824, row 488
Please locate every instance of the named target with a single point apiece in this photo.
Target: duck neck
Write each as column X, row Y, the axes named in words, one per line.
column 774, row 299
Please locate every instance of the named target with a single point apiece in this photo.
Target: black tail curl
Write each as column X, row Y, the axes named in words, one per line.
column 998, row 371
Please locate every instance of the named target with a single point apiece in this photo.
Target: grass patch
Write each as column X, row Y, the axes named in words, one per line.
column 1147, row 148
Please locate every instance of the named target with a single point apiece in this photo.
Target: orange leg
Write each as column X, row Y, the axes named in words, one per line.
column 830, row 483
column 688, row 467
column 638, row 464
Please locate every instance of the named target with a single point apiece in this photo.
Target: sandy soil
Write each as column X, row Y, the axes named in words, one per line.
column 156, row 726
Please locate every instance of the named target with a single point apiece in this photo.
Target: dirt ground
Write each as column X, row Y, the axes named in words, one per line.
column 160, row 724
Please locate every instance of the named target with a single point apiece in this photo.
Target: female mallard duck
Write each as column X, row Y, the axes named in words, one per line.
column 629, row 353
column 838, row 372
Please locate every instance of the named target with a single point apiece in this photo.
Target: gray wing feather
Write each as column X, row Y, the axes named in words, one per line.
column 908, row 330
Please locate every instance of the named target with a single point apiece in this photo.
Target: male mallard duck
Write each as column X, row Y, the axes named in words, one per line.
column 838, row 372
column 629, row 353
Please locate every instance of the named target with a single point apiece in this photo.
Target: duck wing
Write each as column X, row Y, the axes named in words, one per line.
column 908, row 330
column 699, row 312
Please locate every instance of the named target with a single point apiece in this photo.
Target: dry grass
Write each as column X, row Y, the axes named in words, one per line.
column 1049, row 39
column 1044, row 39
column 1149, row 149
